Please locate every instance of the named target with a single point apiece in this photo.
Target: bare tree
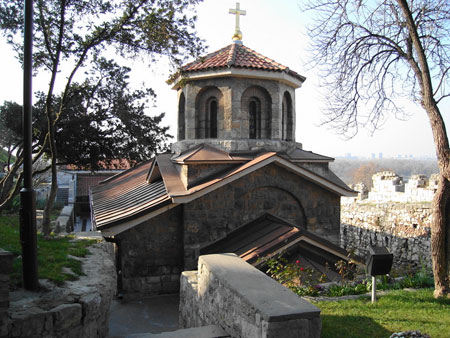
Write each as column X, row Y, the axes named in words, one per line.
column 374, row 52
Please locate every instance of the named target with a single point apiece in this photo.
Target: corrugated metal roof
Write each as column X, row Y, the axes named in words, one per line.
column 238, row 56
column 126, row 195
column 300, row 155
column 265, row 237
column 207, row 153
column 129, row 195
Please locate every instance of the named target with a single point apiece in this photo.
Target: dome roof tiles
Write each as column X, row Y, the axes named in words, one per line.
column 237, row 56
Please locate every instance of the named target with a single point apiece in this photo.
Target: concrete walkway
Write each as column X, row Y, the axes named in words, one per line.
column 152, row 315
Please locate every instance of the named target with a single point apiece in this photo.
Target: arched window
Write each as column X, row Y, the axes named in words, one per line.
column 208, row 113
column 181, row 118
column 213, row 118
column 287, row 118
column 283, row 120
column 254, row 112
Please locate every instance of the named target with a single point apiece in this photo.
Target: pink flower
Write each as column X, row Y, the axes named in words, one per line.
column 297, row 262
column 302, row 269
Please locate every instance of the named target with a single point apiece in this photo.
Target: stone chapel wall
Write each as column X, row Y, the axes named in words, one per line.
column 271, row 189
column 152, row 255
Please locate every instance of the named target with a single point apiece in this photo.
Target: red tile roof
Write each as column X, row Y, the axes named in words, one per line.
column 84, row 182
column 238, row 56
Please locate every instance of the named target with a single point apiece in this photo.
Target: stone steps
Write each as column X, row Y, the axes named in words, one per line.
column 211, row 331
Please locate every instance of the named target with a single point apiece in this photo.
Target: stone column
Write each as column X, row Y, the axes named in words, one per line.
column 190, row 93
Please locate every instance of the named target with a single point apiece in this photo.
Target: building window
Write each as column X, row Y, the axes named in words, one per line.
column 213, row 118
column 287, row 120
column 254, row 111
column 181, row 118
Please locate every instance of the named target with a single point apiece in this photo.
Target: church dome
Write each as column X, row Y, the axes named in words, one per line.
column 237, row 100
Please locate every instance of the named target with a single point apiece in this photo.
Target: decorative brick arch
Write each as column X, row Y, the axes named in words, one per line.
column 208, row 99
column 258, row 99
column 274, row 200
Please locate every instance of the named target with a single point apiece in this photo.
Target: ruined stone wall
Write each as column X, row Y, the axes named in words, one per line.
column 151, row 255
column 271, row 189
column 402, row 227
column 230, row 293
column 78, row 309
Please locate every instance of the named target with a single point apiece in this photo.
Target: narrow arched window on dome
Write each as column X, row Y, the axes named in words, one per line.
column 254, row 112
column 181, row 118
column 283, row 120
column 213, row 118
column 287, row 118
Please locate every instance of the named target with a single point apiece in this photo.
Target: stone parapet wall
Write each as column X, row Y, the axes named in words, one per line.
column 228, row 292
column 78, row 309
column 403, row 228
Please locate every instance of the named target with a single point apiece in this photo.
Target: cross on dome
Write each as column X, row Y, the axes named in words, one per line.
column 237, row 37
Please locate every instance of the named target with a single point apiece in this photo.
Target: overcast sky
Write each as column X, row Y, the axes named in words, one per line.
column 275, row 29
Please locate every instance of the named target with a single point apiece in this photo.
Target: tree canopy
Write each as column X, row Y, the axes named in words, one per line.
column 71, row 36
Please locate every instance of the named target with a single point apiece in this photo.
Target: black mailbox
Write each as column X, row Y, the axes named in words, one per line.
column 379, row 261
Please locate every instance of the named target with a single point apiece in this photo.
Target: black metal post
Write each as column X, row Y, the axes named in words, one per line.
column 28, row 238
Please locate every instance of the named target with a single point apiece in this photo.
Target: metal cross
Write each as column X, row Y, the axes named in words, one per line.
column 237, row 11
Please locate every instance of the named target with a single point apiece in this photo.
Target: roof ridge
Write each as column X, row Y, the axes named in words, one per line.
column 232, row 55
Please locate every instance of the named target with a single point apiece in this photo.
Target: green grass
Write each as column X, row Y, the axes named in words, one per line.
column 53, row 253
column 396, row 311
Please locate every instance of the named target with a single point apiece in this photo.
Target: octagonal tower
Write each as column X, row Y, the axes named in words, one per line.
column 238, row 100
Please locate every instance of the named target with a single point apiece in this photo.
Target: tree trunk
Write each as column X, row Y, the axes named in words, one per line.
column 54, row 187
column 439, row 238
column 50, row 201
column 440, row 228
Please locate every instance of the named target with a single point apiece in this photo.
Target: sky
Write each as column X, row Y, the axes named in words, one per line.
column 276, row 29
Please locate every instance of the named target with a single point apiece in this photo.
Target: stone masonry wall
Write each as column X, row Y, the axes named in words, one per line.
column 6, row 265
column 271, row 189
column 78, row 309
column 223, row 292
column 151, row 255
column 403, row 228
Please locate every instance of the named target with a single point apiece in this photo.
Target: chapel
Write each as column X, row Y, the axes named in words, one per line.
column 236, row 180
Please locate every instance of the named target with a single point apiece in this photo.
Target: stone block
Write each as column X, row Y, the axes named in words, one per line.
column 6, row 262
column 66, row 316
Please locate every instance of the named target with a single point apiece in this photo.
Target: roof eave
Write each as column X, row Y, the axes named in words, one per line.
column 281, row 76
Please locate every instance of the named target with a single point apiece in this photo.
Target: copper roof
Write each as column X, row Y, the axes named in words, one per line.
column 300, row 155
column 238, row 56
column 126, row 196
column 266, row 236
column 207, row 153
column 158, row 183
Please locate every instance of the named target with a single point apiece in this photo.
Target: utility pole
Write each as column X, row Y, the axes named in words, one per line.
column 28, row 238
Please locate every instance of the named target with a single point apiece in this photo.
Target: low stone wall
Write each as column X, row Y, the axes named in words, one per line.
column 78, row 309
column 6, row 265
column 403, row 228
column 228, row 292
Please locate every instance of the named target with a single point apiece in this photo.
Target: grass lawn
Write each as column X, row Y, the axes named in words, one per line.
column 52, row 253
column 396, row 311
